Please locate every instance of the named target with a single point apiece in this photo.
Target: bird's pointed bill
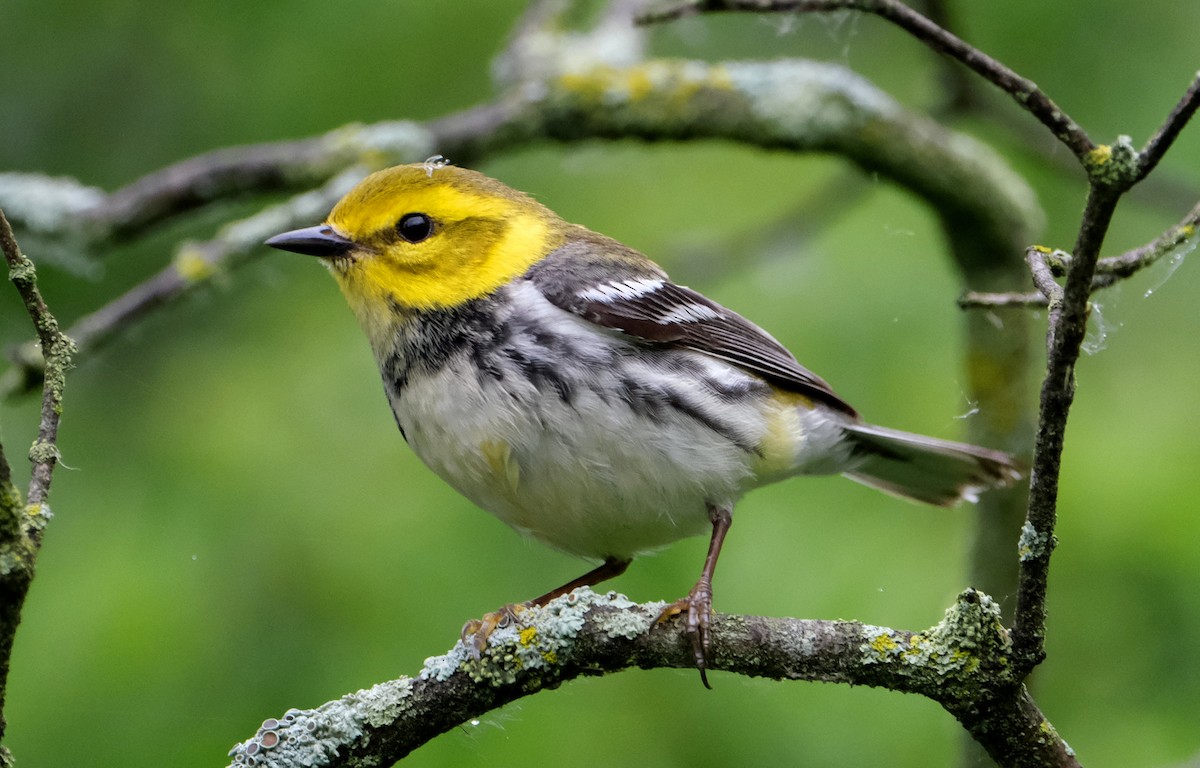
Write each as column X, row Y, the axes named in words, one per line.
column 321, row 240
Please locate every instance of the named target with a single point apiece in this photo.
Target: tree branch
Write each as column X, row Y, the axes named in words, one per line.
column 797, row 105
column 1178, row 239
column 196, row 263
column 236, row 171
column 1025, row 92
column 1175, row 242
column 1068, row 327
column 961, row 663
column 1165, row 136
column 56, row 350
column 21, row 525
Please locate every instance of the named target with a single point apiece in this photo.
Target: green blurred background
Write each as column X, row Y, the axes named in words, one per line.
column 239, row 528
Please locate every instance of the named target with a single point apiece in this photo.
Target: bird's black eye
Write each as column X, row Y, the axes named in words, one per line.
column 414, row 227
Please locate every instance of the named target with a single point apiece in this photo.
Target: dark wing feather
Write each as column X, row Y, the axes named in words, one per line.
column 633, row 296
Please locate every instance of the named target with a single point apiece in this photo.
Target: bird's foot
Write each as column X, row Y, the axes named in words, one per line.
column 698, row 609
column 475, row 633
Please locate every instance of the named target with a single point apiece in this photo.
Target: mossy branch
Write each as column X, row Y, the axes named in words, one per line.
column 22, row 523
column 961, row 663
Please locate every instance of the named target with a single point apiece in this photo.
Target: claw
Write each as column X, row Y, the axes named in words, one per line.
column 698, row 606
column 698, row 603
column 475, row 633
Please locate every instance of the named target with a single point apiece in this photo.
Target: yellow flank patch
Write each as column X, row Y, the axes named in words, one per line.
column 777, row 450
column 498, row 456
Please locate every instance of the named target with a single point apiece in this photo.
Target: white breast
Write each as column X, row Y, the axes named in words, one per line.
column 617, row 458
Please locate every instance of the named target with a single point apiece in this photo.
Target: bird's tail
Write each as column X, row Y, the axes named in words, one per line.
column 927, row 469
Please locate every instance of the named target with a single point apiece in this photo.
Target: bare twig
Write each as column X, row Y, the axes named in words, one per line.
column 1165, row 136
column 1025, row 92
column 1045, row 265
column 989, row 299
column 1115, row 268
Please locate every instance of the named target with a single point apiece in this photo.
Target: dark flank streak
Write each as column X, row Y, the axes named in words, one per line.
column 541, row 372
column 501, row 345
column 655, row 403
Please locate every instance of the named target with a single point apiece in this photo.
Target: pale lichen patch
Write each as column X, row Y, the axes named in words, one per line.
column 313, row 737
column 1032, row 543
column 525, row 649
column 881, row 645
column 971, row 631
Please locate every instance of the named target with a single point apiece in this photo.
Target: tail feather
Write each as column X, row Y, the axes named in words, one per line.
column 926, row 469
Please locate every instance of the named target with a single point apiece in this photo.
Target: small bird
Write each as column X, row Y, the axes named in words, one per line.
column 561, row 381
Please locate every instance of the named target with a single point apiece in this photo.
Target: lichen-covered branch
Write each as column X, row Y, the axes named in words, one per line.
column 196, row 263
column 1024, row 91
column 56, row 351
column 62, row 207
column 1065, row 338
column 1112, row 170
column 799, row 105
column 962, row 663
column 21, row 524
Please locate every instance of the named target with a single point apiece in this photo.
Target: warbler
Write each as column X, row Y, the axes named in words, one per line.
column 561, row 381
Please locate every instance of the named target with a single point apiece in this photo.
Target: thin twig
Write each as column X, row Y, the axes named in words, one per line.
column 1025, row 92
column 1114, row 268
column 1045, row 265
column 1165, row 136
column 990, row 299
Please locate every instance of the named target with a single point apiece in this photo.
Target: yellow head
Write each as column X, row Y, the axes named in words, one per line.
column 420, row 237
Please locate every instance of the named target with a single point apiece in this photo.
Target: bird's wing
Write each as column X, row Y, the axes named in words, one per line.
column 626, row 292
